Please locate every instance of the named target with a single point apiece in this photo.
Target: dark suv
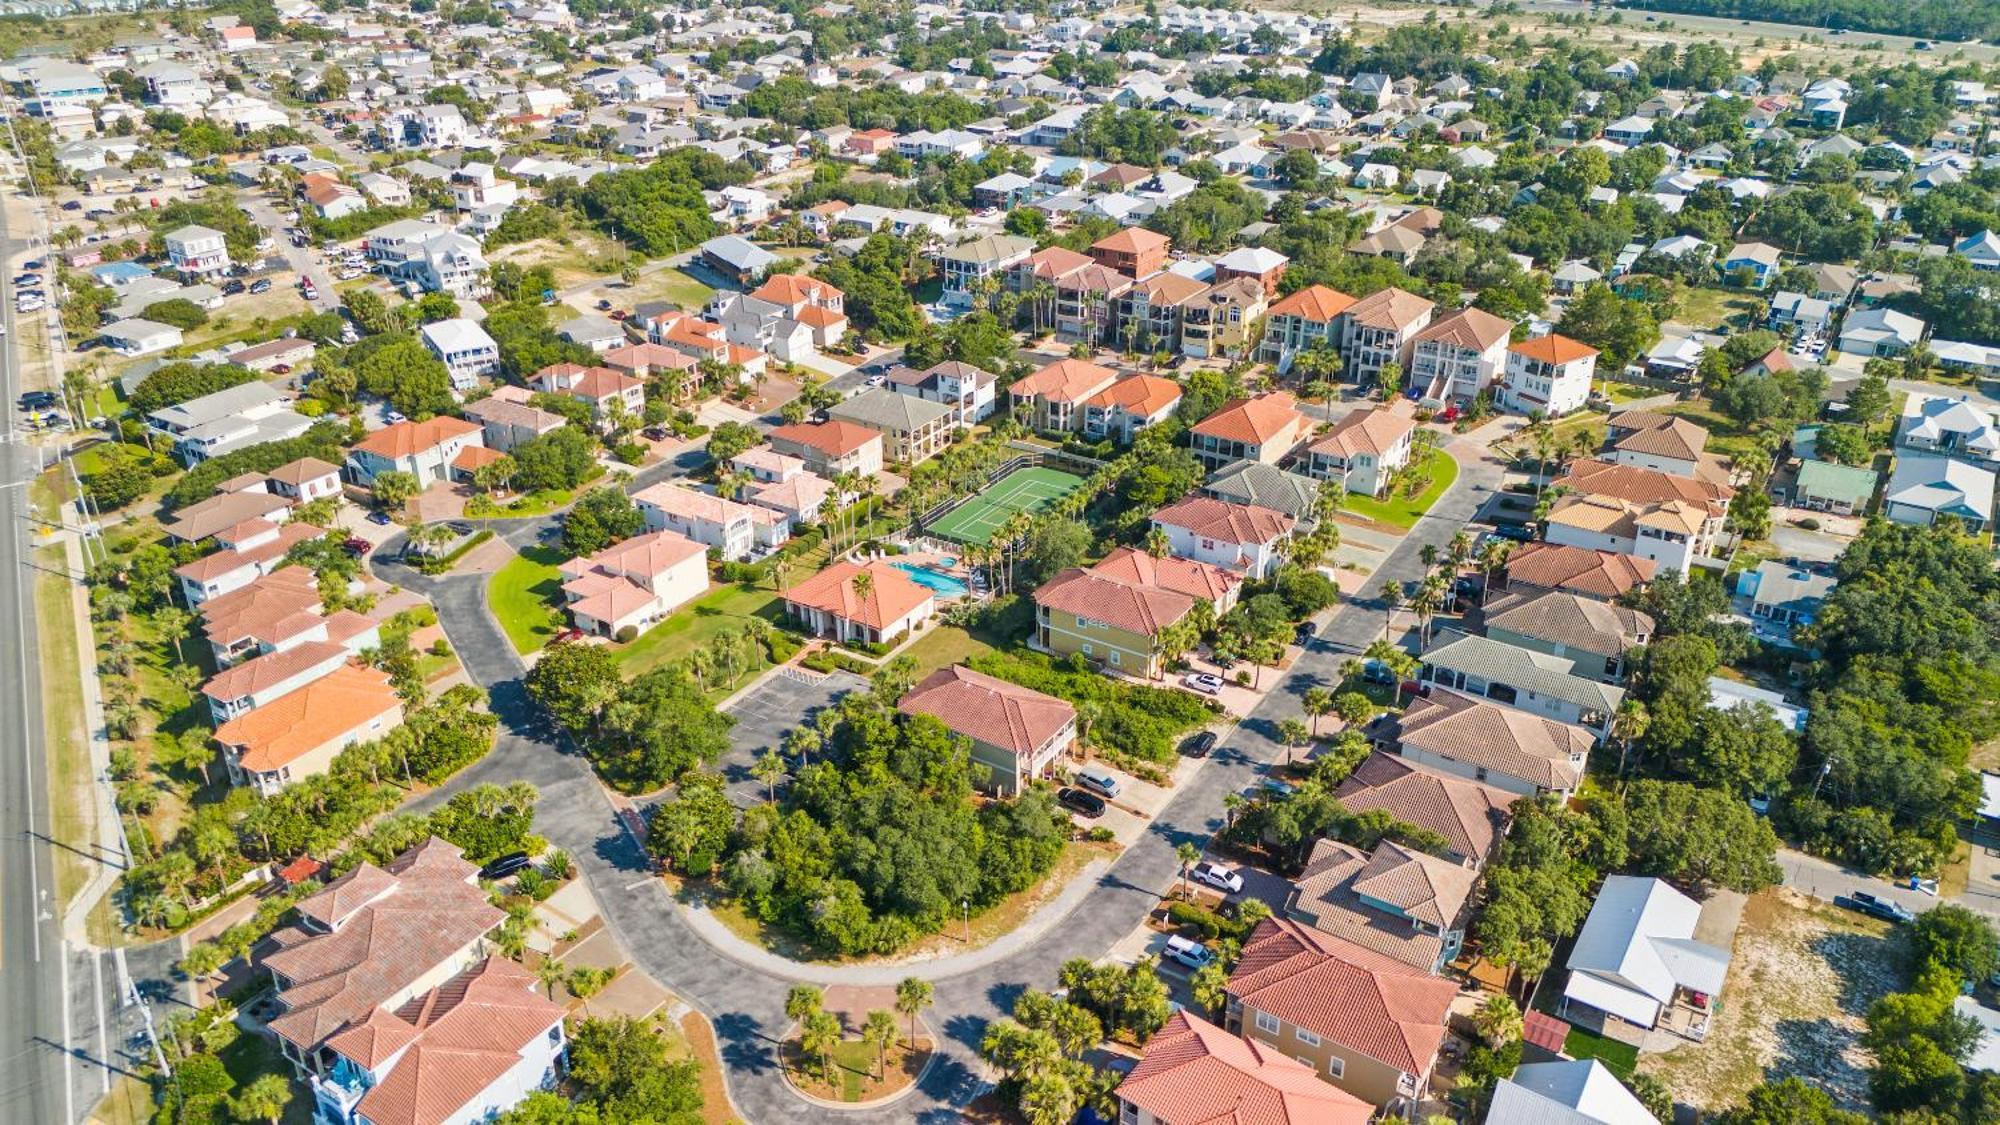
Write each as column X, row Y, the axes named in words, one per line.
column 1086, row 804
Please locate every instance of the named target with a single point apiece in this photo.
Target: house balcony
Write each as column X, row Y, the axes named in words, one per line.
column 334, row 1098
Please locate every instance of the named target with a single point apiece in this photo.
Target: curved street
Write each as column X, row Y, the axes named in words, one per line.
column 744, row 1001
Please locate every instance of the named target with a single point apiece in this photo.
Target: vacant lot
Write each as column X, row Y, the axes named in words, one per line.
column 1800, row 983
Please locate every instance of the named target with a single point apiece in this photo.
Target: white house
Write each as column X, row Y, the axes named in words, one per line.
column 1880, row 331
column 734, row 530
column 137, row 337
column 1365, row 449
column 197, row 251
column 1951, row 427
column 634, row 583
column 465, row 348
column 1240, row 537
column 1636, row 959
column 1457, row 356
column 426, row 450
column 1924, row 487
column 1550, row 374
column 1571, row 1091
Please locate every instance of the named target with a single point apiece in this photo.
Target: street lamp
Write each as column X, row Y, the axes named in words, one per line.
column 966, row 906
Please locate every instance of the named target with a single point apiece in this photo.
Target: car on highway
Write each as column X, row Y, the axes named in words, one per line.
column 1303, row 635
column 1200, row 744
column 261, row 285
column 1088, row 805
column 1203, row 682
column 1188, row 951
column 1220, row 876
column 34, row 265
column 1864, row 903
column 72, row 205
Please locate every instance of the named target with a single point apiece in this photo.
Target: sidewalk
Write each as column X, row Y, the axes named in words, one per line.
column 97, row 803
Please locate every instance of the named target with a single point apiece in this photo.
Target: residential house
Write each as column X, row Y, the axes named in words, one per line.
column 1457, row 356
column 1017, row 733
column 433, row 258
column 1845, row 490
column 1052, row 398
column 245, row 552
column 1799, row 312
column 969, row 391
column 831, row 448
column 610, row 394
column 1470, row 816
column 913, row 429
column 1785, row 594
column 1221, row 320
column 1534, row 682
column 225, row 513
column 1239, row 537
column 1604, row 575
column 1950, row 427
column 1122, row 612
column 1364, row 450
column 1127, row 406
column 425, row 450
column 1551, row 374
column 1662, row 442
column 1381, row 329
column 1195, row 1073
column 1395, row 901
column 246, row 414
column 1595, row 637
column 136, row 337
column 1636, row 961
column 1572, row 1091
column 265, row 678
column 1265, row 267
column 790, row 316
column 735, row 531
column 737, row 258
column 1255, row 484
column 197, row 252
column 1503, row 747
column 1879, row 332
column 598, row 333
column 1133, row 251
column 506, row 423
column 1155, row 311
column 465, row 349
column 299, row 734
column 1671, row 533
column 1754, row 264
column 876, row 603
column 634, row 583
column 1366, row 1023
column 1924, row 488
column 970, row 267
column 1266, row 428
column 1309, row 318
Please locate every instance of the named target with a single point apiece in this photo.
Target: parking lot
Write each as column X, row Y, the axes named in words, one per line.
column 765, row 713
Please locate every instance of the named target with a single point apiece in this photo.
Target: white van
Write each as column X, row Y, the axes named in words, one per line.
column 1100, row 779
column 1189, row 952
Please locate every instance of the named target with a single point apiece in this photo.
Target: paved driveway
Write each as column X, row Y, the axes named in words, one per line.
column 764, row 715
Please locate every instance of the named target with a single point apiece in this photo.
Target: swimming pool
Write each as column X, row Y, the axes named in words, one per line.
column 934, row 579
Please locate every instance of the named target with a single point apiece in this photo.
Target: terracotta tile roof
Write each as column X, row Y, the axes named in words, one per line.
column 1501, row 739
column 819, row 316
column 792, row 289
column 1578, row 623
column 1553, row 349
column 1372, row 430
column 1139, row 395
column 989, row 709
column 1225, row 522
column 1135, row 609
column 1094, row 278
column 1361, row 1000
column 1469, row 329
column 286, row 729
column 1316, row 303
column 644, row 555
column 407, row 439
column 891, row 594
column 304, row 469
column 1054, row 262
column 218, row 563
column 391, row 929
column 636, row 357
column 1065, row 380
column 805, row 494
column 271, row 669
column 274, row 607
column 1167, row 288
column 1641, row 485
column 1195, row 1073
column 677, row 499
column 602, row 382
column 1133, row 567
column 1132, row 240
column 1472, row 816
column 1599, row 574
column 1662, row 436
column 834, row 438
column 1389, row 308
column 1609, row 515
column 472, row 457
column 1258, row 420
column 463, row 1036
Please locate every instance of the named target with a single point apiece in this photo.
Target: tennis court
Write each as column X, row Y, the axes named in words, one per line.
column 1024, row 490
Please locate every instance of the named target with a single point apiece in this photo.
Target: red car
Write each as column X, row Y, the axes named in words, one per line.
column 357, row 546
column 282, row 369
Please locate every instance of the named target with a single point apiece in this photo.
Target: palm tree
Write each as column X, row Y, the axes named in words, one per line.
column 1232, row 803
column 863, row 583
column 1156, row 543
column 1293, row 733
column 550, row 972
column 879, row 1032
column 803, row 743
column 913, row 995
column 1399, row 662
column 1497, row 1020
column 1317, row 701
column 263, row 1100
column 1628, row 725
column 768, row 768
column 1189, row 855
column 819, row 1034
column 1391, row 592
column 1492, row 557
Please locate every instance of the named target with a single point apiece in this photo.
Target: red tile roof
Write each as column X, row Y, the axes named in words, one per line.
column 1065, row 380
column 1316, row 303
column 1360, row 1000
column 989, row 709
column 1135, row 609
column 1224, row 521
column 459, row 1038
column 286, row 729
column 407, row 439
column 1254, row 421
column 1553, row 349
column 833, row 438
column 891, row 594
column 1195, row 1073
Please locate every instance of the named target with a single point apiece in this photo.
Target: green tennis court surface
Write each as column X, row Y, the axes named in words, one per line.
column 1024, row 490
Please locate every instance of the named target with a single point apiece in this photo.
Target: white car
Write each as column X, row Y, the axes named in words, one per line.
column 1221, row 878
column 1203, row 682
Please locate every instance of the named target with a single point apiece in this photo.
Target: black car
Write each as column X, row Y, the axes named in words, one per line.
column 37, row 399
column 1875, row 907
column 232, row 287
column 460, row 528
column 1199, row 745
column 1087, row 804
column 72, row 205
column 504, row 866
column 1303, row 635
column 1518, row 532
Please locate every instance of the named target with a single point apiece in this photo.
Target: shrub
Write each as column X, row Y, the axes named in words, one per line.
column 630, row 452
column 1203, row 920
column 627, row 634
column 700, row 863
column 1100, row 835
column 1808, row 524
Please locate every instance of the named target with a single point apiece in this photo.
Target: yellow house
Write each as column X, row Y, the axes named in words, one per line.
column 1079, row 612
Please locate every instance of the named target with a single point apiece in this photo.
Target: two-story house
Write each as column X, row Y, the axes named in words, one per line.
column 197, row 252
column 735, row 531
column 1241, row 537
column 610, row 394
column 1195, row 1073
column 1534, row 682
column 1380, row 330
column 1494, row 745
column 1670, row 533
column 1364, row 450
column 913, row 429
column 299, row 734
column 1017, row 733
column 1550, row 374
column 830, row 448
column 1131, row 404
column 1396, row 901
column 1596, row 637
column 634, row 583
column 464, row 348
column 245, row 552
column 1266, row 428
column 426, row 450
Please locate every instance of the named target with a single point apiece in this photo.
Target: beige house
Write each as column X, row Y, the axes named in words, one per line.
column 883, row 606
column 1053, row 398
column 1195, row 1073
column 913, row 429
column 298, row 735
column 1262, row 428
column 1222, row 321
column 1366, row 1023
column 1079, row 612
column 1017, row 733
column 831, row 448
column 634, row 583
column 1364, row 450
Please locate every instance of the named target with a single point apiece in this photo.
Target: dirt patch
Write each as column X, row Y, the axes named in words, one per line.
column 1800, row 982
column 715, row 1106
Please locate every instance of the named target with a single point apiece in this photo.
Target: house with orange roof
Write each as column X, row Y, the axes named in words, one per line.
column 298, row 735
column 474, row 1046
column 1087, row 303
column 790, row 316
column 1309, row 318
column 609, row 392
column 425, row 450
column 874, row 603
column 1152, row 312
column 736, row 531
column 1047, row 265
column 1457, row 356
column 1381, row 329
column 1241, row 537
column 1366, row 449
column 333, row 199
column 830, row 448
column 1550, row 375
column 679, row 372
column 271, row 614
column 1129, row 405
column 1195, row 1073
column 1116, row 614
column 1052, row 398
column 1200, row 580
column 1364, row 1022
column 1133, row 251
column 801, row 498
column 632, row 584
column 1670, row 533
column 1017, row 733
column 1264, row 428
column 266, row 678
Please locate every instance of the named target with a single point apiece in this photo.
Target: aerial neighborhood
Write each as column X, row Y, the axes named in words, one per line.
column 1064, row 562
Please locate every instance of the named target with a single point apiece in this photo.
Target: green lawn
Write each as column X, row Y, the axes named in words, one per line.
column 523, row 595
column 669, row 285
column 945, row 646
column 1724, row 435
column 727, row 607
column 1404, row 512
column 1620, row 1058
column 1710, row 308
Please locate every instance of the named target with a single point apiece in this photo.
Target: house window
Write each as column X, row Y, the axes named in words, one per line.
column 1306, row 1037
column 1336, row 1067
column 1268, row 1023
column 1113, row 657
column 1128, row 1114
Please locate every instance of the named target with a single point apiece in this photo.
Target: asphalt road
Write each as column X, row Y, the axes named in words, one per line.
column 300, row 258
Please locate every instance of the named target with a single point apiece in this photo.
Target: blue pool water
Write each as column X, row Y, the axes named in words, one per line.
column 934, row 579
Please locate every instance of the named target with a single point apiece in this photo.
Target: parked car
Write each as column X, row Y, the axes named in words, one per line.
column 1089, row 805
column 1376, row 672
column 261, row 285
column 1272, row 787
column 1304, row 634
column 1100, row 779
column 1203, row 682
column 232, row 287
column 357, row 546
column 1199, row 745
column 1865, row 903
column 504, row 866
column 1189, row 952
column 378, row 518
column 1220, row 877
column 1518, row 532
